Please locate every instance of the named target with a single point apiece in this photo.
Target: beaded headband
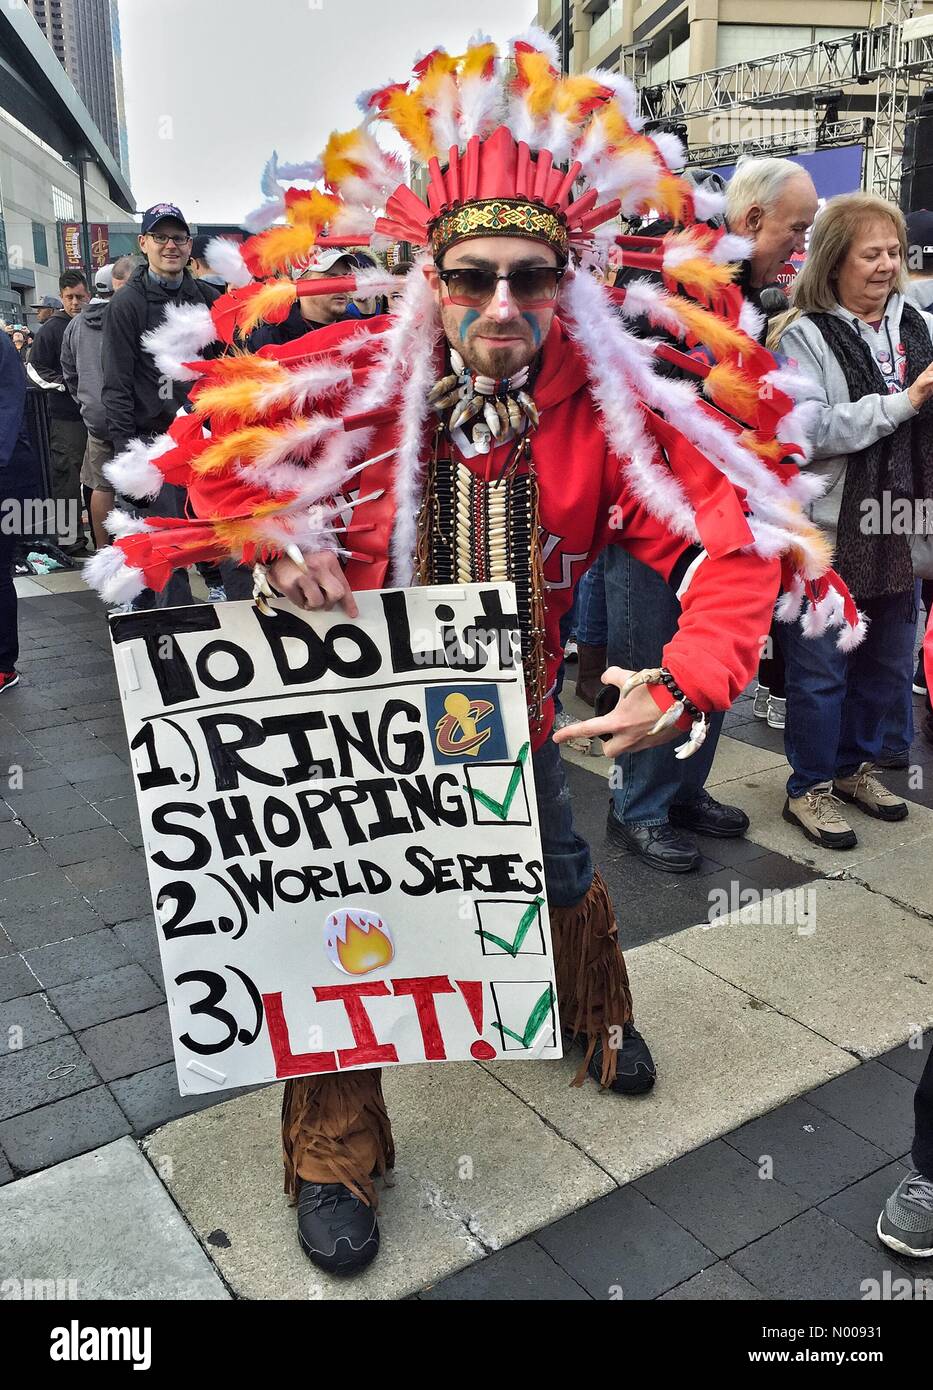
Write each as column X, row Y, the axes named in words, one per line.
column 499, row 217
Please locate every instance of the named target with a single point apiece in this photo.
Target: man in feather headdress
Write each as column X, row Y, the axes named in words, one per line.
column 501, row 425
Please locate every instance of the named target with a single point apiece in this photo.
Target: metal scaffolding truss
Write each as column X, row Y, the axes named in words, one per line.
column 889, row 57
column 787, row 141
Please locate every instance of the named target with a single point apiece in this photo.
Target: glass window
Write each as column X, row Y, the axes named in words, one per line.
column 40, row 250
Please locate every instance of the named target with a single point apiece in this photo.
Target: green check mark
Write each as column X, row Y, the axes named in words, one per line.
column 535, row 1019
column 522, row 930
column 501, row 808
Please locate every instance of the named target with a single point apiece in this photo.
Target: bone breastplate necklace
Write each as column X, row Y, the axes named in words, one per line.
column 494, row 405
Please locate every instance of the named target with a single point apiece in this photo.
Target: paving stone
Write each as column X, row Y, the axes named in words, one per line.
column 520, row 1273
column 141, row 941
column 622, row 1246
column 102, row 709
column 887, row 952
column 859, row 1206
column 94, row 954
column 151, row 1098
column 51, row 824
column 777, row 872
column 813, row 1257
column 505, row 1141
column 43, row 924
column 92, row 769
column 17, row 863
column 85, row 1003
column 6, row 1172
column 34, row 1017
column 720, row 1197
column 57, row 1132
column 129, row 1045
column 116, row 905
column 907, row 1060
column 121, row 811
column 811, row 1152
column 30, row 720
column 750, row 1060
column 12, row 834
column 106, row 1219
column 124, row 867
column 42, row 1074
column 718, row 1284
column 103, row 789
column 874, row 1103
column 904, row 875
column 38, row 780
column 86, row 845
column 16, row 979
column 45, row 802
column 422, row 1241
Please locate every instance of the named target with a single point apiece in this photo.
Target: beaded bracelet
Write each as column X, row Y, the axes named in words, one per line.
column 667, row 680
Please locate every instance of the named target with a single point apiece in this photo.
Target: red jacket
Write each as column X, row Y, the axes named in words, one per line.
column 585, row 502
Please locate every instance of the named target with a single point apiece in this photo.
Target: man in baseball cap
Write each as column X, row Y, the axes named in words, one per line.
column 45, row 307
column 310, row 311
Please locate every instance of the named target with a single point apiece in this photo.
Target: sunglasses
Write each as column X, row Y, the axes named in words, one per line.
column 531, row 287
column 162, row 239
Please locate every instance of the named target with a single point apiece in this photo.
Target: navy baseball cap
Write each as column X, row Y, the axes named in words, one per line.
column 158, row 212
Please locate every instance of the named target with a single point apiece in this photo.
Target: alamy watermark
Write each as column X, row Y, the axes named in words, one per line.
column 41, row 516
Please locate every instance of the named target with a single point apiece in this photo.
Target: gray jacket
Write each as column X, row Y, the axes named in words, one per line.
column 844, row 426
column 82, row 368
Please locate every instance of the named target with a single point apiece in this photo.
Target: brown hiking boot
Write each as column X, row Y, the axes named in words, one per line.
column 592, row 665
column 818, row 816
column 869, row 795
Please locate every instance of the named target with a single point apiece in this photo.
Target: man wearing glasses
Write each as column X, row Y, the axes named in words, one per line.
column 139, row 401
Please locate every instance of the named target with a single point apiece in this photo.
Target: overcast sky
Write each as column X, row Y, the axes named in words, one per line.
column 213, row 86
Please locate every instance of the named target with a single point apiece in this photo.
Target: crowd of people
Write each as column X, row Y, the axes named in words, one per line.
column 857, row 332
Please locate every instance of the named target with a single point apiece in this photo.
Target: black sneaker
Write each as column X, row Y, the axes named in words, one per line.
column 338, row 1232
column 635, row 1069
column 661, row 846
column 706, row 816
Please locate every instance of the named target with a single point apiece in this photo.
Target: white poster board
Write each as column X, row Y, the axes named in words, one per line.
column 341, row 832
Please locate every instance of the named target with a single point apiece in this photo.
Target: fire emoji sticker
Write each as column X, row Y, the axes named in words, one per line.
column 357, row 941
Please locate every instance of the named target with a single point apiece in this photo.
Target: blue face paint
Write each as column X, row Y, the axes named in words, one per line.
column 532, row 322
column 469, row 318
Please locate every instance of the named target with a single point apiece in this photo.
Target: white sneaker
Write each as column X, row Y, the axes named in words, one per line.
column 777, row 709
column 760, row 707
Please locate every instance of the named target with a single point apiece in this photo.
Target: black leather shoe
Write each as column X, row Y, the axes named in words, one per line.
column 635, row 1069
column 337, row 1231
column 708, row 817
column 661, row 846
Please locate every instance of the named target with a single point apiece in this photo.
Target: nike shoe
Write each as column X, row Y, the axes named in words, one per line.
column 906, row 1223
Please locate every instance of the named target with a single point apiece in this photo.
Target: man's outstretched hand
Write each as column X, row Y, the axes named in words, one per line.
column 628, row 723
column 321, row 584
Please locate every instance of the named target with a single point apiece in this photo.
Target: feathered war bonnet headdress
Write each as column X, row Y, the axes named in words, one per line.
column 510, row 147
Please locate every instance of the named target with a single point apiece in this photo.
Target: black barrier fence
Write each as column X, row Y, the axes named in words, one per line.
column 43, row 535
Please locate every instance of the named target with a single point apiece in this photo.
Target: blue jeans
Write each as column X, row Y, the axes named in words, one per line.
column 643, row 613
column 898, row 732
column 591, row 605
column 838, row 702
column 568, row 867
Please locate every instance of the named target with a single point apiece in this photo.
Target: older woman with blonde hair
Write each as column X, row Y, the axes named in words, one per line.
column 867, row 353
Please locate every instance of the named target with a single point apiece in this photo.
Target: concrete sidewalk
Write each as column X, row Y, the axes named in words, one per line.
column 790, row 996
